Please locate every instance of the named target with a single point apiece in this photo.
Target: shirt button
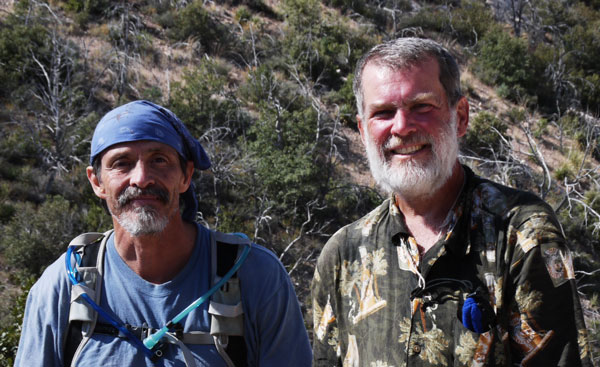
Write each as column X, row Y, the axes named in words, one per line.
column 416, row 349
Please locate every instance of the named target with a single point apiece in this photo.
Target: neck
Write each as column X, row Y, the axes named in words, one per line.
column 159, row 257
column 425, row 216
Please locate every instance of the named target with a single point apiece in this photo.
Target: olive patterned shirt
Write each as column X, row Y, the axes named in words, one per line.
column 378, row 303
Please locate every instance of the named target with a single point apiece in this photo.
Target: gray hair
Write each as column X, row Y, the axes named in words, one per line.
column 403, row 53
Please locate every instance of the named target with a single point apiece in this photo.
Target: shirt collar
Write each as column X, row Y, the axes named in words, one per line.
column 457, row 239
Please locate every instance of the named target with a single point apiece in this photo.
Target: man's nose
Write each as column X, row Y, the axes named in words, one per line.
column 141, row 175
column 402, row 124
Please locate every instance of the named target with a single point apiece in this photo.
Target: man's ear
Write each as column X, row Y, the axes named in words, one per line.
column 361, row 128
column 96, row 183
column 189, row 172
column 462, row 117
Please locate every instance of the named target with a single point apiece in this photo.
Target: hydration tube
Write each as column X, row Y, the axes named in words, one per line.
column 153, row 339
column 72, row 273
column 148, row 344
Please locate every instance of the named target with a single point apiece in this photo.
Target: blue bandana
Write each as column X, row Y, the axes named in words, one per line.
column 143, row 120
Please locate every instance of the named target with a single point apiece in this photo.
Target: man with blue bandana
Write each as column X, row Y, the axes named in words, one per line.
column 157, row 266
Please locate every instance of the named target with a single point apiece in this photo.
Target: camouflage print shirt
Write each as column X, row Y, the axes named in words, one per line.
column 378, row 303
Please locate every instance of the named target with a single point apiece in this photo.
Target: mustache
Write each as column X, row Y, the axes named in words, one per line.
column 131, row 193
column 394, row 141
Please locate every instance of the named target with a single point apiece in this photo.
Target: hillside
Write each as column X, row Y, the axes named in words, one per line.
column 266, row 86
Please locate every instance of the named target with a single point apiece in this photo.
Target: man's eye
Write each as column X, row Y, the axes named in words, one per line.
column 121, row 164
column 160, row 160
column 384, row 113
column 422, row 107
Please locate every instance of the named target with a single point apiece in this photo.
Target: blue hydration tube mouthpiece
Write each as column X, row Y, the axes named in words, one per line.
column 151, row 341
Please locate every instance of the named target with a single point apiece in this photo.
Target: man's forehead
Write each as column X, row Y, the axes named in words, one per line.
column 419, row 82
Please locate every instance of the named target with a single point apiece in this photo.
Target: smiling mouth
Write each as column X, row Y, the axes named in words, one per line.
column 408, row 150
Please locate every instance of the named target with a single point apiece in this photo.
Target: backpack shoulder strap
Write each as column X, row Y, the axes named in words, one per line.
column 90, row 248
column 227, row 322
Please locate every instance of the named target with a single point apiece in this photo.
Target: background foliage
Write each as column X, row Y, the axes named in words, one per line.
column 266, row 87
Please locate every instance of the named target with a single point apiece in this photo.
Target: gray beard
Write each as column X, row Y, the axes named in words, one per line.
column 415, row 179
column 142, row 221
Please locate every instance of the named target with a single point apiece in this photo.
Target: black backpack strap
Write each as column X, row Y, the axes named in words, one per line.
column 226, row 256
column 74, row 334
column 73, row 339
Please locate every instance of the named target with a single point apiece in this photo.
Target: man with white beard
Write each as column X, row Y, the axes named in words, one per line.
column 451, row 269
column 160, row 289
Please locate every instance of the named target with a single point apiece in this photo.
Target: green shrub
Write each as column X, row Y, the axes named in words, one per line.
column 345, row 101
column 86, row 10
column 7, row 211
column 260, row 85
column 324, row 50
column 564, row 171
column 358, row 6
column 467, row 23
column 202, row 101
column 504, row 61
column 482, row 136
column 17, row 41
column 194, row 21
column 541, row 128
column 10, row 326
column 243, row 15
column 471, row 21
column 569, row 123
column 348, row 203
column 33, row 238
column 153, row 93
column 284, row 141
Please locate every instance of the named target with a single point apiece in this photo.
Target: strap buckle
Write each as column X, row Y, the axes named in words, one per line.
column 176, row 329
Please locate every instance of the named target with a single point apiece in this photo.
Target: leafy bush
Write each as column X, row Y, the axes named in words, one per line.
column 17, row 40
column 323, row 50
column 194, row 21
column 34, row 238
column 504, row 61
column 564, row 171
column 86, row 10
column 10, row 326
column 202, row 101
column 485, row 133
column 471, row 21
column 243, row 15
column 262, row 85
column 285, row 141
column 345, row 102
column 467, row 23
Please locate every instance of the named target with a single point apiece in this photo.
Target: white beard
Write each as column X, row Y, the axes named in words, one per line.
column 414, row 179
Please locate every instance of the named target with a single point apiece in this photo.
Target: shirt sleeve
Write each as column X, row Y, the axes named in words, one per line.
column 327, row 348
column 276, row 334
column 42, row 332
column 544, row 319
